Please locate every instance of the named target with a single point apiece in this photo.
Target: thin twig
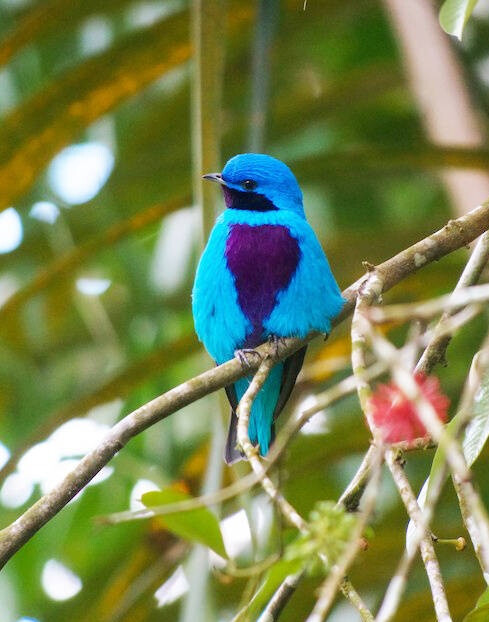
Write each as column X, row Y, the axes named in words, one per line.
column 330, row 586
column 398, row 582
column 329, row 397
column 254, row 570
column 288, row 586
column 243, row 412
column 435, row 352
column 426, row 545
column 478, row 368
column 477, row 525
column 281, row 597
column 356, row 600
column 352, row 494
column 479, row 536
column 427, row 309
column 370, row 292
column 451, row 325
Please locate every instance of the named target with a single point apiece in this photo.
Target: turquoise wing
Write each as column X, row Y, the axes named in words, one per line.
column 219, row 321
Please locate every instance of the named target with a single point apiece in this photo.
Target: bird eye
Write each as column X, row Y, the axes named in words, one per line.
column 249, row 184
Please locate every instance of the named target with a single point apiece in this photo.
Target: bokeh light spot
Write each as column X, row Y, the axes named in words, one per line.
column 78, row 173
column 92, row 286
column 45, row 211
column 140, row 487
column 173, row 589
column 11, row 231
column 16, row 490
column 4, row 454
column 58, row 581
column 236, row 533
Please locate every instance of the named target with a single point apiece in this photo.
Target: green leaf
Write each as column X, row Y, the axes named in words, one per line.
column 199, row 525
column 479, row 614
column 439, row 457
column 483, row 598
column 274, row 577
column 477, row 431
column 454, row 14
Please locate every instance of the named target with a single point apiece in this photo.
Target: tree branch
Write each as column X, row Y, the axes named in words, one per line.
column 356, row 600
column 426, row 545
column 244, row 412
column 454, row 235
column 435, row 352
column 280, row 598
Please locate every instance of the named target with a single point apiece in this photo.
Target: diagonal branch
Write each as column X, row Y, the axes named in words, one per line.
column 454, row 235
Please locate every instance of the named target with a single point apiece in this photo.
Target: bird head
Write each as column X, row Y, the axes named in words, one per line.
column 258, row 182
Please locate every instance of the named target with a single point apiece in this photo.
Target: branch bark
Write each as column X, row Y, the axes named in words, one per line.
column 454, row 235
column 435, row 352
column 426, row 545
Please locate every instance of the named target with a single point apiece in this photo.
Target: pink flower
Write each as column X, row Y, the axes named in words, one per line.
column 395, row 415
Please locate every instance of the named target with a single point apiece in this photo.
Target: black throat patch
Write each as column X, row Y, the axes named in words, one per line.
column 252, row 201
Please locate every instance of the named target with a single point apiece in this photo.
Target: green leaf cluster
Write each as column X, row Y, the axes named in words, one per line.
column 328, row 532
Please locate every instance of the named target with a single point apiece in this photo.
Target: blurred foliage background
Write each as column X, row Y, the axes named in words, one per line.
column 100, row 231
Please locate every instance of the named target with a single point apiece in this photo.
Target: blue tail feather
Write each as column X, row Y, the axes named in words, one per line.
column 261, row 416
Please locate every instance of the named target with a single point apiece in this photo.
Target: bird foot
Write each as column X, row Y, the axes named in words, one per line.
column 242, row 355
column 276, row 342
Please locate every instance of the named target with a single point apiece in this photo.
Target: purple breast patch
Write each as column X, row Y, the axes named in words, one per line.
column 263, row 260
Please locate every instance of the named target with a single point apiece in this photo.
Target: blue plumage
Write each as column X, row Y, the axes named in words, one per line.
column 263, row 273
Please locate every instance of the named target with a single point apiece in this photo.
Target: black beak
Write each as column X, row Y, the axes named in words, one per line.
column 217, row 177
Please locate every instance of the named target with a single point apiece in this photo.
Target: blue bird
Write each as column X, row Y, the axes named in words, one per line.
column 263, row 274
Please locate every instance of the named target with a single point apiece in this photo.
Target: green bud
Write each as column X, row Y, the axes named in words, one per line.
column 329, row 530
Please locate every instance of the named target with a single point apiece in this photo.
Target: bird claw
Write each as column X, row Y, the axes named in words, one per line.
column 276, row 342
column 242, row 354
